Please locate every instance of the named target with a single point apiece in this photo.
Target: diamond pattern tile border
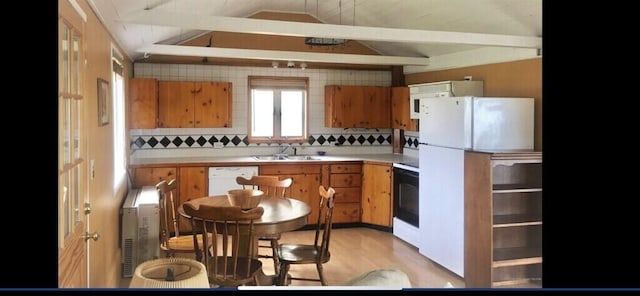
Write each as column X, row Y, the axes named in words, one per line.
column 207, row 141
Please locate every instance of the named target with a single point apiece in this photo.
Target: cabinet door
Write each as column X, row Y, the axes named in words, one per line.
column 376, row 194
column 400, row 117
column 151, row 176
column 344, row 106
column 143, row 103
column 305, row 188
column 376, row 109
column 175, row 104
column 213, row 102
column 306, row 181
column 193, row 184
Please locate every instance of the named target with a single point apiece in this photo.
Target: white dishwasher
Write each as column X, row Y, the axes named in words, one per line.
column 222, row 179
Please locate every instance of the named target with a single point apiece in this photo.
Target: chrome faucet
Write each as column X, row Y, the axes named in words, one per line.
column 282, row 148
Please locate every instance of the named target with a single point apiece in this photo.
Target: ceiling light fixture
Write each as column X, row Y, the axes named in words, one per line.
column 274, row 65
column 303, row 65
column 321, row 41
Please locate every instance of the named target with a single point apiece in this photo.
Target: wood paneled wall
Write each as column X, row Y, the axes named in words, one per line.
column 510, row 79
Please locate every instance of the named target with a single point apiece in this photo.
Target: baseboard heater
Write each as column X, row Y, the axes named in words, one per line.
column 140, row 234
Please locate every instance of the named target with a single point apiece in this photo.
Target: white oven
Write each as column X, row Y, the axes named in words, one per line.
column 406, row 202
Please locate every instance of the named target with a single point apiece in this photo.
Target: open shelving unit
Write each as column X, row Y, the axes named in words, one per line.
column 503, row 219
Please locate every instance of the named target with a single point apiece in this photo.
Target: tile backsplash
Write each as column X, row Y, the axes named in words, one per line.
column 182, row 142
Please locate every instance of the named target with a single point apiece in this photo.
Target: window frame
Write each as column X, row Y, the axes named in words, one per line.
column 119, row 118
column 278, row 83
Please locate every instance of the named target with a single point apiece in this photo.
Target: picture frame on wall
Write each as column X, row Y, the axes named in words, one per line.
column 103, row 102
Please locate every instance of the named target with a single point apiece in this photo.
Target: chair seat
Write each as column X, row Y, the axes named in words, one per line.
column 296, row 253
column 181, row 243
column 229, row 281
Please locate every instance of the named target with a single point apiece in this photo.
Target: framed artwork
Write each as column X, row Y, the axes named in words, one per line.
column 103, row 102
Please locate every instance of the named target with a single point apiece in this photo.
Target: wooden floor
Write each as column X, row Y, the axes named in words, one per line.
column 357, row 250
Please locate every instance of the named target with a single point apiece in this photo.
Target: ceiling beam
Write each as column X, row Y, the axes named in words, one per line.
column 300, row 29
column 281, row 55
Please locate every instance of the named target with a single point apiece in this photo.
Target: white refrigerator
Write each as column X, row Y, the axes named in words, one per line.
column 448, row 127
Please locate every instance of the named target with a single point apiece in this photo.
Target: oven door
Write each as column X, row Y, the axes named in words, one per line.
column 406, row 195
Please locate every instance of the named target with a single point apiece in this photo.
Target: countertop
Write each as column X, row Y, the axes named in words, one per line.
column 247, row 160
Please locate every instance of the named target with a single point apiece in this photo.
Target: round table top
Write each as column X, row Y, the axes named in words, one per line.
column 280, row 214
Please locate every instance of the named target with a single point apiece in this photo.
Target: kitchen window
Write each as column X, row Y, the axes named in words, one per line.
column 278, row 109
column 119, row 131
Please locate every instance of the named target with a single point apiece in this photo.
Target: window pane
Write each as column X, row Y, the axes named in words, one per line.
column 262, row 113
column 292, row 109
column 118, row 130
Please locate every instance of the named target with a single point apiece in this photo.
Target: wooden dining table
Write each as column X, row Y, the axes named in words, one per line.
column 280, row 215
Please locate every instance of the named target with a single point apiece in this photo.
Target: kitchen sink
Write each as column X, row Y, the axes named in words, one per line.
column 270, row 157
column 302, row 157
column 284, row 157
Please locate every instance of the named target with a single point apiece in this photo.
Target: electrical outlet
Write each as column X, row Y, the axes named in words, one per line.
column 218, row 145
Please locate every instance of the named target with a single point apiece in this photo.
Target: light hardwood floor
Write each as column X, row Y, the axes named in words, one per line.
column 357, row 250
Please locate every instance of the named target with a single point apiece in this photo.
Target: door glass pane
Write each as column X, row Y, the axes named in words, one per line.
column 76, row 194
column 77, row 121
column 66, row 203
column 76, row 65
column 262, row 113
column 66, row 131
column 65, row 59
column 292, row 111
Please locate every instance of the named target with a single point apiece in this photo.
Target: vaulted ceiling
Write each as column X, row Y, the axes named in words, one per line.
column 380, row 33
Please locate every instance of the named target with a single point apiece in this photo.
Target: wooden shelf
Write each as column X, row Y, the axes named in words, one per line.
column 503, row 220
column 510, row 188
column 516, row 256
column 516, row 220
column 519, row 283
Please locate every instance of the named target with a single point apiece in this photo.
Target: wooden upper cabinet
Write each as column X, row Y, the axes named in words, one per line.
column 213, row 102
column 194, row 104
column 143, row 103
column 357, row 106
column 377, row 105
column 400, row 117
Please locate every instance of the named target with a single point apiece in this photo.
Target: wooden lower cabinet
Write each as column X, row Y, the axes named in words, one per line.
column 377, row 206
column 193, row 184
column 151, row 176
column 306, row 181
column 346, row 179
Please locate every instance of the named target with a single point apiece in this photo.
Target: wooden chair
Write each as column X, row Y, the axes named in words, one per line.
column 272, row 186
column 227, row 265
column 318, row 252
column 171, row 242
